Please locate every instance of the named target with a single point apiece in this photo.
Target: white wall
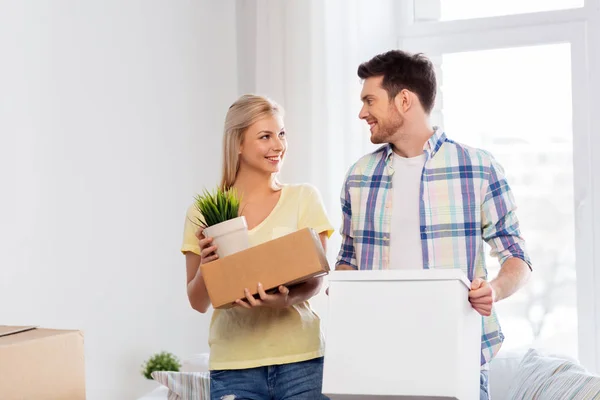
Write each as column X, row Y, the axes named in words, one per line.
column 110, row 118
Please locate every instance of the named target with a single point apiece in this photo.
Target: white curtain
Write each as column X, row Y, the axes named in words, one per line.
column 304, row 54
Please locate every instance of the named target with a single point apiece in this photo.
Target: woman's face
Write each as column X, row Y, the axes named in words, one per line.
column 264, row 145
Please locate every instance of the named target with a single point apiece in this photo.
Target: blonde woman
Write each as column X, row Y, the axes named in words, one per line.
column 270, row 347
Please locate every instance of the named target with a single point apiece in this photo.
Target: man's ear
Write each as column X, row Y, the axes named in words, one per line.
column 403, row 101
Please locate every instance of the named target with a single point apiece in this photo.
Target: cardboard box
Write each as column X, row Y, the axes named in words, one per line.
column 287, row 260
column 41, row 364
column 401, row 335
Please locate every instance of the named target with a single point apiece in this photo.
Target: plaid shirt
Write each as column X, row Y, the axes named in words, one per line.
column 465, row 200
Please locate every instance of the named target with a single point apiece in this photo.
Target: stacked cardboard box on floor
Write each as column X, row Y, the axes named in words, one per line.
column 40, row 363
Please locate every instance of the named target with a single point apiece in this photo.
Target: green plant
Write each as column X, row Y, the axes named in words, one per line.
column 217, row 206
column 162, row 361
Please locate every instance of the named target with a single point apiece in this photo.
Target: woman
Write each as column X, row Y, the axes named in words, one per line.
column 270, row 347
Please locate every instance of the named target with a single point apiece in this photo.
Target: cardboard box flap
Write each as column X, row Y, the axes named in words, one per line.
column 22, row 334
column 11, row 330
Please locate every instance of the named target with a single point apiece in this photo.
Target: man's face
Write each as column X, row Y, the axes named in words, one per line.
column 379, row 111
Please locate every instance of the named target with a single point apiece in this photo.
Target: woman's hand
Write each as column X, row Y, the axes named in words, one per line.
column 277, row 300
column 207, row 249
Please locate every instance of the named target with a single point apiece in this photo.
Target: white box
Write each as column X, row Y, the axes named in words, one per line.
column 401, row 335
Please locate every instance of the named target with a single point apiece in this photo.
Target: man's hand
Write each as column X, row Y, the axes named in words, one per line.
column 482, row 296
column 341, row 267
column 277, row 300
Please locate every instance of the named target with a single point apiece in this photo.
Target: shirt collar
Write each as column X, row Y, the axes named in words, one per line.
column 430, row 148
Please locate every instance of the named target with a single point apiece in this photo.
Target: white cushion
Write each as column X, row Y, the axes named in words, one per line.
column 552, row 378
column 185, row 385
column 502, row 370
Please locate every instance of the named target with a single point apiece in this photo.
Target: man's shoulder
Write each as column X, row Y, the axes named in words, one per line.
column 466, row 153
column 367, row 163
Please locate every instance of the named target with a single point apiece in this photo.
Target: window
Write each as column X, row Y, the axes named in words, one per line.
column 500, row 100
column 522, row 83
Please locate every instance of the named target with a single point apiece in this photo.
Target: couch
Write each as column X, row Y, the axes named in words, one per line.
column 523, row 375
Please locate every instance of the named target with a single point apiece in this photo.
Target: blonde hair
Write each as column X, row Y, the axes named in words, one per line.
column 244, row 112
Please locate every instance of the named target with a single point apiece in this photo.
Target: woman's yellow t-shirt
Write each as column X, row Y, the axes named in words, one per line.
column 247, row 338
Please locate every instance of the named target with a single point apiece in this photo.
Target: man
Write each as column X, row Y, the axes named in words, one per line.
column 424, row 201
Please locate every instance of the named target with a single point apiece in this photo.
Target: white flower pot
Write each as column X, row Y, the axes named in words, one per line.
column 230, row 236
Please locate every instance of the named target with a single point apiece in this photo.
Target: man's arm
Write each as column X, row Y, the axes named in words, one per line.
column 500, row 229
column 346, row 259
column 513, row 275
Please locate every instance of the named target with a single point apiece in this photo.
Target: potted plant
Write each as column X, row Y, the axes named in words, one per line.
column 162, row 361
column 219, row 218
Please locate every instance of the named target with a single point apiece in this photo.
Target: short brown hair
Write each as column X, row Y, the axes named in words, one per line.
column 402, row 70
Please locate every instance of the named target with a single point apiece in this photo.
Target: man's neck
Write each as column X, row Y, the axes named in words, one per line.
column 411, row 143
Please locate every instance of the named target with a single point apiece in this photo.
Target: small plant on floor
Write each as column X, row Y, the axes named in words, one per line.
column 217, row 206
column 162, row 361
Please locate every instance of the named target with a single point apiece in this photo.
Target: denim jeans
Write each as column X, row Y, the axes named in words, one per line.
column 296, row 381
column 484, row 386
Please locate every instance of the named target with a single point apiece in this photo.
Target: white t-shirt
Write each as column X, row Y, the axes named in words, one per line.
column 405, row 233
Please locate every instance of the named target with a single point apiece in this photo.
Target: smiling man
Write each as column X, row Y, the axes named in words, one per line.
column 424, row 201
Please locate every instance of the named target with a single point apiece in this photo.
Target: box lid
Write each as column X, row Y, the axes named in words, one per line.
column 401, row 275
column 11, row 330
column 11, row 335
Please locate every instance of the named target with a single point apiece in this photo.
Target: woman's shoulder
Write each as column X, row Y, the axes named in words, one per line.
column 300, row 190
column 193, row 214
column 192, row 210
column 302, row 195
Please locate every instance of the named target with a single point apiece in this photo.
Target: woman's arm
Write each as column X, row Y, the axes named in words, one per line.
column 196, row 288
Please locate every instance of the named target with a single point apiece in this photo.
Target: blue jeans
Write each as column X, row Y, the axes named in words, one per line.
column 484, row 386
column 296, row 381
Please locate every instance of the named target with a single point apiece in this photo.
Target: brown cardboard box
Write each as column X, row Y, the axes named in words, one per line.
column 287, row 260
column 41, row 364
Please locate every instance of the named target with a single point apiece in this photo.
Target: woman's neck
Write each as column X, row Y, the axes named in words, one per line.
column 252, row 185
